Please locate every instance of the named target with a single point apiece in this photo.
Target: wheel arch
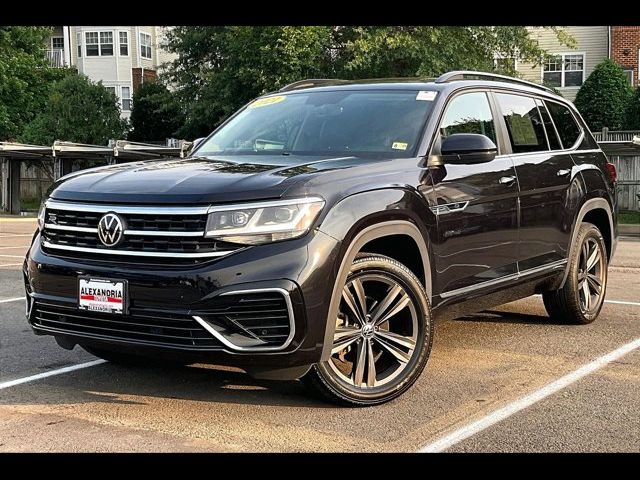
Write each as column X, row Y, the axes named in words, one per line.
column 365, row 236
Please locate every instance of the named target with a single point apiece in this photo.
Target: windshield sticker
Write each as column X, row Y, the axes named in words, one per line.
column 426, row 96
column 262, row 102
column 399, row 145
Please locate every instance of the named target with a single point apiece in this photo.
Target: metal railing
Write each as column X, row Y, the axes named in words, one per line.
column 55, row 57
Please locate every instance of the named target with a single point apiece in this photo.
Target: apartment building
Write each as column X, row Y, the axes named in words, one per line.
column 122, row 57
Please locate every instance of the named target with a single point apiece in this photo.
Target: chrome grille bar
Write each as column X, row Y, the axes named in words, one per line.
column 124, row 209
column 135, row 253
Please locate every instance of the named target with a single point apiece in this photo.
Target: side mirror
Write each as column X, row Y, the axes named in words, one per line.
column 468, row 148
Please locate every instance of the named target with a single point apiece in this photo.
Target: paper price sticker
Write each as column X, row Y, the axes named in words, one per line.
column 426, row 96
column 263, row 102
column 399, row 145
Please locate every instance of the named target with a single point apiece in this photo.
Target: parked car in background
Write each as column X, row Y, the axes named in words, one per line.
column 321, row 229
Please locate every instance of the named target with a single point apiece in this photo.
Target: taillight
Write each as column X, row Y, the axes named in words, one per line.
column 611, row 168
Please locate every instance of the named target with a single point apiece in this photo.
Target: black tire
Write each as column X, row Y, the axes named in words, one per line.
column 565, row 305
column 323, row 380
column 127, row 359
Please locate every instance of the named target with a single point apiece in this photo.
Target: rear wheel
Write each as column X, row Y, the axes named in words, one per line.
column 581, row 298
column 382, row 338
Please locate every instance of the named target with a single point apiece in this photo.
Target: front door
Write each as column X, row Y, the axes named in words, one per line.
column 545, row 172
column 475, row 206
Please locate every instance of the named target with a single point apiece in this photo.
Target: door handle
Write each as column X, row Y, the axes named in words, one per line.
column 507, row 180
column 564, row 172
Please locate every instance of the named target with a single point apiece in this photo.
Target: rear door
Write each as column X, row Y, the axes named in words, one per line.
column 545, row 172
column 475, row 205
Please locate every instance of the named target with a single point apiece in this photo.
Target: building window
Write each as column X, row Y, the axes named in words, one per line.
column 629, row 74
column 91, row 41
column 57, row 43
column 126, row 98
column 145, row 45
column 124, row 43
column 79, row 42
column 564, row 70
column 505, row 64
column 99, row 44
column 111, row 90
column 106, row 44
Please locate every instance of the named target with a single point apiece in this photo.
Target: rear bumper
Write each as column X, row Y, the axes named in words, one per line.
column 169, row 303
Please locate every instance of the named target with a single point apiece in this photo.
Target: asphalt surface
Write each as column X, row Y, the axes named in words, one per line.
column 479, row 364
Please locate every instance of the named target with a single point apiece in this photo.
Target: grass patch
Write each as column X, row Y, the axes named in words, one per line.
column 629, row 218
column 29, row 204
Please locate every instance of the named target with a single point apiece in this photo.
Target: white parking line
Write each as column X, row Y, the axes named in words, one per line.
column 18, row 246
column 9, row 265
column 14, row 299
column 59, row 371
column 12, row 256
column 471, row 429
column 11, row 235
column 618, row 302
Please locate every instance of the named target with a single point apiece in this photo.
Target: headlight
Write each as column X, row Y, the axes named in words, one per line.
column 41, row 215
column 263, row 222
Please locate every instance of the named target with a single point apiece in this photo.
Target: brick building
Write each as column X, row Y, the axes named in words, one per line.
column 625, row 50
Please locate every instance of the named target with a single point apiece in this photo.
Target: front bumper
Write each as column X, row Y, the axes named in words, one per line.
column 303, row 270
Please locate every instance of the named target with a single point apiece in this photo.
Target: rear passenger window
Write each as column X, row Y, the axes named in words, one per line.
column 552, row 136
column 565, row 123
column 469, row 113
column 524, row 124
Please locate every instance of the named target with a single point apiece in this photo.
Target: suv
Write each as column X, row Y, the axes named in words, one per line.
column 318, row 232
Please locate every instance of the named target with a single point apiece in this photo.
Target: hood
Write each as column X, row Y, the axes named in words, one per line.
column 194, row 180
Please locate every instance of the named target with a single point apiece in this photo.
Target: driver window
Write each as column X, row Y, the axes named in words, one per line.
column 469, row 113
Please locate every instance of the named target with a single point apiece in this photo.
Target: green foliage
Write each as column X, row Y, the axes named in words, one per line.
column 632, row 117
column 218, row 69
column 25, row 77
column 156, row 113
column 77, row 110
column 604, row 97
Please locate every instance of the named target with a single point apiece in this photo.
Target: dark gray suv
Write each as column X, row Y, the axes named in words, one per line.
column 319, row 231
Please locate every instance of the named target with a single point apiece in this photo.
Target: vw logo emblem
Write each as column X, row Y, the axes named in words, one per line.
column 110, row 229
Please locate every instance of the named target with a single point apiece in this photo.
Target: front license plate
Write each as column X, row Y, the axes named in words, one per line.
column 102, row 295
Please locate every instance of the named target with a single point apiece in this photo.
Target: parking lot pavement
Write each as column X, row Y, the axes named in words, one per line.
column 478, row 365
column 15, row 236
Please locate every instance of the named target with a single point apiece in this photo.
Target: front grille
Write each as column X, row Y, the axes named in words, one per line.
column 175, row 234
column 151, row 327
column 149, row 222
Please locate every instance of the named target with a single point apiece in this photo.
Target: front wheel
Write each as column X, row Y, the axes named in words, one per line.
column 382, row 338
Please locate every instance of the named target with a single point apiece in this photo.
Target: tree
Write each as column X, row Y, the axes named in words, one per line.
column 25, row 77
column 156, row 113
column 77, row 110
column 632, row 120
column 218, row 69
column 604, row 97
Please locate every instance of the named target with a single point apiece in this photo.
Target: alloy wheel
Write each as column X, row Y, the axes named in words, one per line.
column 591, row 276
column 376, row 332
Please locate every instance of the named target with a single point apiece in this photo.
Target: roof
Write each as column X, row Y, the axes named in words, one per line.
column 447, row 81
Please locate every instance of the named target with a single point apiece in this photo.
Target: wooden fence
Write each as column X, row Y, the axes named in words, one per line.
column 606, row 135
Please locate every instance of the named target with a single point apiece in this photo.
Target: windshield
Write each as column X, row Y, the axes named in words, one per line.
column 344, row 122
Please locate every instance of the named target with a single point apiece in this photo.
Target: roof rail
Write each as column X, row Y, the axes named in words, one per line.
column 468, row 75
column 311, row 82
